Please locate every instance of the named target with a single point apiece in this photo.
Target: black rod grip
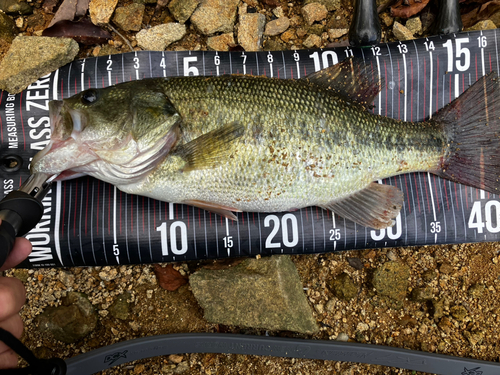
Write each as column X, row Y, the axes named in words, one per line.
column 365, row 27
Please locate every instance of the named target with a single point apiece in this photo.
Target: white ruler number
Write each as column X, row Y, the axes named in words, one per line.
column 389, row 231
column 285, row 220
column 328, row 58
column 491, row 215
column 176, row 228
column 190, row 70
column 462, row 54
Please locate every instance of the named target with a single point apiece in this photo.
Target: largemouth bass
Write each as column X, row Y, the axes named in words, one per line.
column 243, row 143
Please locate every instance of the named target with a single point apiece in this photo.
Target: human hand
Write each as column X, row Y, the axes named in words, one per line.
column 12, row 298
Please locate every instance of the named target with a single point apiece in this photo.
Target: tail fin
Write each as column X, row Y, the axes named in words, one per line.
column 472, row 126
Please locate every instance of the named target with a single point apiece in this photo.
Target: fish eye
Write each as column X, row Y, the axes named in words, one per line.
column 89, row 97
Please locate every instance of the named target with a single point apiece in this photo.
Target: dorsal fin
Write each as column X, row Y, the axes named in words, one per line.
column 351, row 78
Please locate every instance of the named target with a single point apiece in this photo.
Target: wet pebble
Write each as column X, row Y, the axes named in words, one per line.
column 182, row 9
column 213, row 16
column 329, row 4
column 458, row 312
column 483, row 25
column 160, row 37
column 401, row 32
column 414, row 25
column 221, row 42
column 336, row 33
column 476, row 290
column 312, row 41
column 344, row 287
column 129, row 18
column 101, row 11
column 277, row 26
column 421, row 294
column 8, row 28
column 342, row 336
column 120, row 308
column 15, row 7
column 250, row 31
column 391, row 280
column 73, row 320
column 314, row 12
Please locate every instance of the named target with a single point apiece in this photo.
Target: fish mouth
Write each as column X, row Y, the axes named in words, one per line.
column 62, row 153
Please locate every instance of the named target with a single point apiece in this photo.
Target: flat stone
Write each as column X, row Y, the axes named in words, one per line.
column 71, row 321
column 221, row 42
column 401, row 32
column 250, row 295
column 483, row 25
column 277, row 26
column 182, row 9
column 250, row 31
column 391, row 280
column 414, row 25
column 314, row 12
column 160, row 37
column 32, row 57
column 213, row 16
column 312, row 41
column 337, row 33
column 129, row 18
column 101, row 11
column 15, row 7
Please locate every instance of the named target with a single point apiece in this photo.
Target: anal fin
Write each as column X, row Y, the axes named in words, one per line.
column 218, row 209
column 375, row 206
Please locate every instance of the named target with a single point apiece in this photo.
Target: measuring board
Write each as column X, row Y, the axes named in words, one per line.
column 88, row 222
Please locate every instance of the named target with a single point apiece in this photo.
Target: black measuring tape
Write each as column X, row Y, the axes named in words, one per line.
column 87, row 222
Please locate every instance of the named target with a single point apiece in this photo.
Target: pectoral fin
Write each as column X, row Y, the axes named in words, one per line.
column 374, row 206
column 209, row 150
column 224, row 211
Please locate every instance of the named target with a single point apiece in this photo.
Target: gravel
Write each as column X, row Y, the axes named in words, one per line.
column 462, row 318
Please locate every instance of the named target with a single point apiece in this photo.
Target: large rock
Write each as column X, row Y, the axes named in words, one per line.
column 250, row 31
column 160, row 37
column 265, row 293
column 32, row 57
column 213, row 16
column 71, row 321
column 182, row 9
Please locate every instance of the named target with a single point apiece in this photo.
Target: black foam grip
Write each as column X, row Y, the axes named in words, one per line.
column 7, row 238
